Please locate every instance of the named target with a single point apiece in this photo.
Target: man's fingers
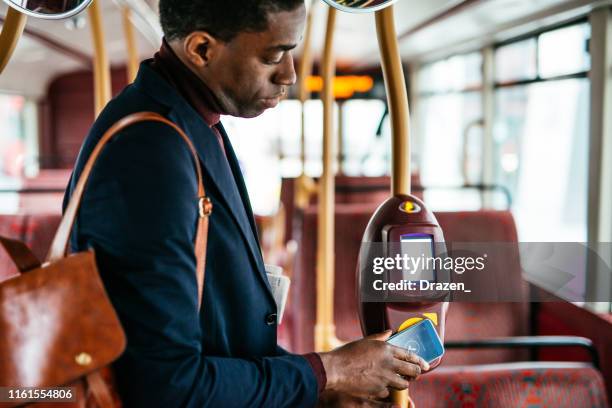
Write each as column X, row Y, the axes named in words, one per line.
column 409, row 356
column 383, row 394
column 396, row 382
column 347, row 401
column 367, row 403
column 373, row 404
column 379, row 404
column 380, row 336
column 410, row 370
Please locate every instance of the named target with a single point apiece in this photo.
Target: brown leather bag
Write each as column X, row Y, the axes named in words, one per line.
column 57, row 325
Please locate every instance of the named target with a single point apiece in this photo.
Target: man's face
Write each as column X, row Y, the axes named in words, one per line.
column 251, row 72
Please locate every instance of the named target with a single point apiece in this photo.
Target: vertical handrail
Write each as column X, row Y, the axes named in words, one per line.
column 130, row 44
column 465, row 150
column 397, row 97
column 305, row 71
column 488, row 116
column 9, row 37
column 304, row 185
column 102, row 74
column 325, row 330
column 340, row 137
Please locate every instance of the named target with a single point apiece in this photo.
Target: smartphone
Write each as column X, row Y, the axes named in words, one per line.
column 420, row 338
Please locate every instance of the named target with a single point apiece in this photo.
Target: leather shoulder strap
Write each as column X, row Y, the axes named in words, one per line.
column 20, row 254
column 60, row 241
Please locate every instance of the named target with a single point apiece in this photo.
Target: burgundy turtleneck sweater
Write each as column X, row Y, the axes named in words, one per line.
column 200, row 97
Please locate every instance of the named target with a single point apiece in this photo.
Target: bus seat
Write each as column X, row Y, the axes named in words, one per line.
column 350, row 222
column 478, row 226
column 39, row 232
column 36, row 230
column 534, row 384
column 484, row 320
column 11, row 226
column 359, row 189
column 568, row 319
column 351, row 190
column 288, row 202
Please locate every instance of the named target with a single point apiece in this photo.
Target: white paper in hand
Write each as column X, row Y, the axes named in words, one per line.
column 280, row 288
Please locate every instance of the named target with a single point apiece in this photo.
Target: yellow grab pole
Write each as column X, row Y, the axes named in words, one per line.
column 305, row 70
column 305, row 186
column 130, row 43
column 325, row 330
column 340, row 135
column 9, row 37
column 397, row 98
column 102, row 75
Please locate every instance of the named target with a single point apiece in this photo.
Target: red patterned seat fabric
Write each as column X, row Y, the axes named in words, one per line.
column 36, row 230
column 351, row 220
column 473, row 321
column 516, row 385
column 39, row 232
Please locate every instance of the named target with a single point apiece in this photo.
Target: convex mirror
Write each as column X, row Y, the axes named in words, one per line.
column 359, row 6
column 49, row 9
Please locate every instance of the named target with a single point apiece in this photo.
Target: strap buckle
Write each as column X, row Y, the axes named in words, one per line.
column 205, row 207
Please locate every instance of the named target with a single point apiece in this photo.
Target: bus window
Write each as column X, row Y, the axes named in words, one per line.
column 255, row 139
column 450, row 101
column 314, row 137
column 365, row 153
column 268, row 148
column 18, row 147
column 572, row 57
column 544, row 119
column 516, row 61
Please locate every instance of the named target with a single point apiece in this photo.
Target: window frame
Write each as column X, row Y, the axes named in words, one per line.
column 490, row 85
column 536, row 35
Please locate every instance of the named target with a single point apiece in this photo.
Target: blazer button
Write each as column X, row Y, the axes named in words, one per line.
column 271, row 319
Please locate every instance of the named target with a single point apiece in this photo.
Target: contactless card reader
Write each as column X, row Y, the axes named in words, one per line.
column 421, row 339
column 405, row 230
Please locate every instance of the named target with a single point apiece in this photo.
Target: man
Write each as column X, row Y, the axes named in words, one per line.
column 139, row 215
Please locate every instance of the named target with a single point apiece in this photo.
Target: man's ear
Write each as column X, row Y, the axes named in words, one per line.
column 200, row 48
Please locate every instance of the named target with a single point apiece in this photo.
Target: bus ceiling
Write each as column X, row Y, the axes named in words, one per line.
column 426, row 31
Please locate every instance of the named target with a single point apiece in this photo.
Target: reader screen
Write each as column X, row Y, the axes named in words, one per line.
column 418, row 257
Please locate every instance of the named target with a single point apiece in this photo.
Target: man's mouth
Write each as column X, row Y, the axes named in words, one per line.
column 272, row 101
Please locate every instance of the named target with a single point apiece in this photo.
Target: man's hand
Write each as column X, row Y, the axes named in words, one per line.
column 367, row 368
column 332, row 399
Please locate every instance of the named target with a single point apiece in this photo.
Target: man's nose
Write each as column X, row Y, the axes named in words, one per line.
column 286, row 71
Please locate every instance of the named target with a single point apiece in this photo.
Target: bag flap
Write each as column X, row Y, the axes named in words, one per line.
column 57, row 324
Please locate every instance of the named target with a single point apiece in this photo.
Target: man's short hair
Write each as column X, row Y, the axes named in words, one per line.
column 223, row 19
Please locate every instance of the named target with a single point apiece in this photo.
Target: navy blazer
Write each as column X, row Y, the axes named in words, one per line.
column 139, row 215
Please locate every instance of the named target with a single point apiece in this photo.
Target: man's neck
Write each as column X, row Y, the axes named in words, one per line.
column 177, row 47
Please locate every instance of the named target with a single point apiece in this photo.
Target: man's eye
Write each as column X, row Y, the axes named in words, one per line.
column 274, row 61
